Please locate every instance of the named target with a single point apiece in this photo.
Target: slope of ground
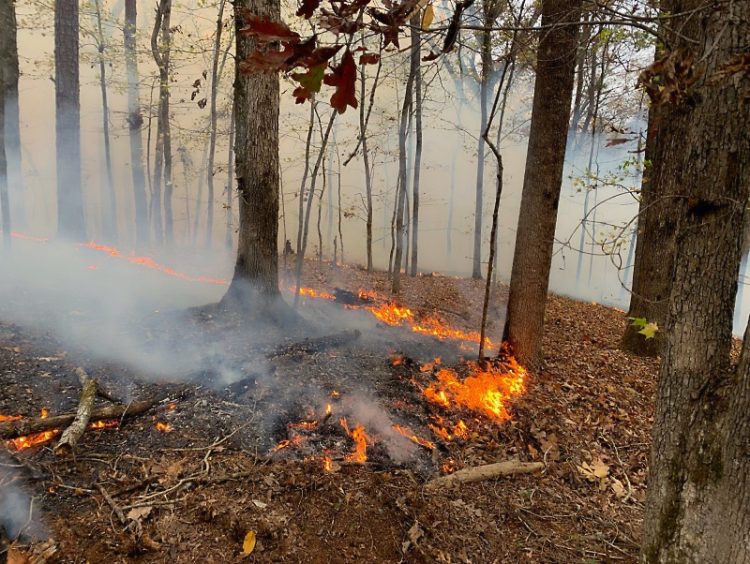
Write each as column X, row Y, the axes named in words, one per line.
column 193, row 494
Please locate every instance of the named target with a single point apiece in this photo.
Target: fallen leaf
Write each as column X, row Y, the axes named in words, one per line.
column 139, row 513
column 618, row 488
column 259, row 504
column 248, row 545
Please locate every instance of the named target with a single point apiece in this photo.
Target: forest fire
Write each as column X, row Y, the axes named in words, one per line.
column 28, row 441
column 360, row 438
column 311, row 293
column 485, row 391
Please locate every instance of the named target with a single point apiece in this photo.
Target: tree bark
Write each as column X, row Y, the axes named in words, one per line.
column 256, row 103
column 550, row 116
column 135, row 123
column 4, row 200
column 698, row 503
column 70, row 218
column 12, row 128
column 230, row 184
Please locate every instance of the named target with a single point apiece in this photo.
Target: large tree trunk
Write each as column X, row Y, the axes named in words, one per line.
column 256, row 104
column 109, row 204
column 70, row 220
column 212, row 139
column 698, row 505
column 135, row 123
column 12, row 128
column 553, row 92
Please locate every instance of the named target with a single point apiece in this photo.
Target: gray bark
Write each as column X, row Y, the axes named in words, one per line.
column 12, row 128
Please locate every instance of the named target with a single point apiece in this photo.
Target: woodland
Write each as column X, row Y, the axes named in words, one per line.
column 374, row 280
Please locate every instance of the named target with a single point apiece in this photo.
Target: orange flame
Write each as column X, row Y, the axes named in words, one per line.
column 329, row 409
column 391, row 314
column 311, row 293
column 163, row 427
column 104, row 424
column 25, row 237
column 327, row 464
column 294, row 441
column 485, row 391
column 414, row 438
column 360, row 438
column 148, row 262
column 28, row 441
column 306, row 425
column 10, row 417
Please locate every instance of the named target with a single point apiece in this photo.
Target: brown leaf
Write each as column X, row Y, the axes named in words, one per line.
column 344, row 79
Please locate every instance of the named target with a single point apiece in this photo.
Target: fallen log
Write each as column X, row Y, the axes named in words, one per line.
column 22, row 427
column 317, row 344
column 486, row 472
column 77, row 428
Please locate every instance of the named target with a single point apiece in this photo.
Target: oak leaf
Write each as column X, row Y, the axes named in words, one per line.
column 344, row 79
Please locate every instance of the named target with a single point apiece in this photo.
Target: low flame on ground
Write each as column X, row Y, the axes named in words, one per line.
column 486, row 390
column 104, row 424
column 406, row 432
column 294, row 441
column 148, row 262
column 327, row 464
column 28, row 441
column 360, row 438
column 163, row 427
column 305, row 425
column 460, row 430
column 311, row 293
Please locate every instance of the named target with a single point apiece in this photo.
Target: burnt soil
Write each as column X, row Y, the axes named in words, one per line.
column 193, row 494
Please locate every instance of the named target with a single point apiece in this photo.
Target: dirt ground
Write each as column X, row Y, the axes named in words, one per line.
column 137, row 494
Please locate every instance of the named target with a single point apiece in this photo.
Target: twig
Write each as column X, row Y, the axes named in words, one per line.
column 113, row 504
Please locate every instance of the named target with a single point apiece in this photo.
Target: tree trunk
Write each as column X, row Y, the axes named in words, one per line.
column 230, row 184
column 256, row 103
column 109, row 200
column 12, row 128
column 212, row 140
column 70, row 220
column 366, row 162
column 415, row 40
column 698, row 504
column 550, row 116
column 135, row 123
column 402, row 176
column 4, row 200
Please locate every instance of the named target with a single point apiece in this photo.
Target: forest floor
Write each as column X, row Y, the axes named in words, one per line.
column 194, row 493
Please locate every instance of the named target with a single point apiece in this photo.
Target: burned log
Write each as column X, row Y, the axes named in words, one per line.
column 77, row 428
column 485, row 472
column 317, row 344
column 22, row 427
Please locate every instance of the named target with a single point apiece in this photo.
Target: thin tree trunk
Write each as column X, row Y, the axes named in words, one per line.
column 230, row 184
column 305, row 173
column 418, row 148
column 68, row 122
column 698, row 502
column 160, row 49
column 135, row 123
column 4, row 200
column 366, row 162
column 109, row 208
column 212, row 139
column 12, row 129
column 542, row 179
column 199, row 197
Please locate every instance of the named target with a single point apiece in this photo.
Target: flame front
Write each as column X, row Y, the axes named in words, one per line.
column 486, row 390
column 360, row 438
column 414, row 438
column 28, row 441
column 311, row 293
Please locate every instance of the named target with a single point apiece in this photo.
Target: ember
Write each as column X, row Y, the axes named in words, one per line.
column 28, row 441
column 485, row 391
column 360, row 437
column 327, row 464
column 163, row 427
column 105, row 424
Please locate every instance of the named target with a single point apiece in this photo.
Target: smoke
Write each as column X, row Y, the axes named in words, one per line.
column 17, row 512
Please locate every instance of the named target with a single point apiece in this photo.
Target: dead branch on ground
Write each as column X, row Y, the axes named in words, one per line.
column 486, row 472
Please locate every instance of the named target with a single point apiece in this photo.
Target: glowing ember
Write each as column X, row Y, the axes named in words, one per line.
column 294, row 441
column 414, row 438
column 305, row 425
column 335, row 394
column 329, row 409
column 485, row 391
column 360, row 438
column 10, row 417
column 104, row 424
column 171, row 406
column 430, row 365
column 25, row 237
column 367, row 295
column 460, row 431
column 148, row 262
column 163, row 427
column 29, row 441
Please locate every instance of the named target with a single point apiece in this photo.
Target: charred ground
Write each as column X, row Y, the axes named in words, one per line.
column 193, row 493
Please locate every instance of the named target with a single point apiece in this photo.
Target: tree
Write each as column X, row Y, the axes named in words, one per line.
column 12, row 129
column 698, row 503
column 135, row 123
column 553, row 92
column 109, row 218
column 4, row 201
column 256, row 109
column 415, row 39
column 160, row 48
column 68, row 122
